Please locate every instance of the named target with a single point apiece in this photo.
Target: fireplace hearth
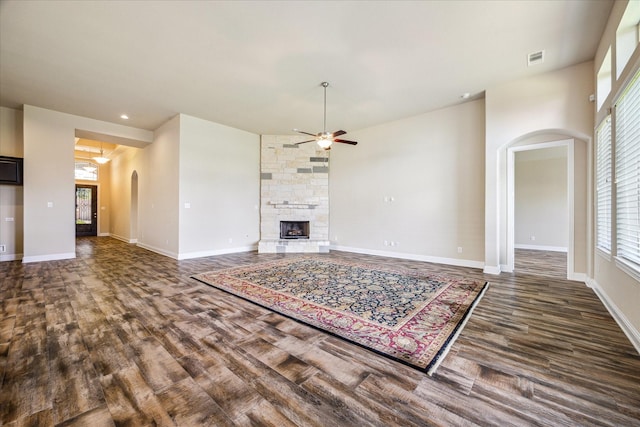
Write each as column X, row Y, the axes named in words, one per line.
column 294, row 229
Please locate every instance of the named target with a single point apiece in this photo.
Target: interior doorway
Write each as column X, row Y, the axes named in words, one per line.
column 86, row 210
column 567, row 226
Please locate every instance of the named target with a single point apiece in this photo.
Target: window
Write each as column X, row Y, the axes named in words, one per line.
column 603, row 185
column 627, row 167
column 86, row 171
column 604, row 79
column 627, row 35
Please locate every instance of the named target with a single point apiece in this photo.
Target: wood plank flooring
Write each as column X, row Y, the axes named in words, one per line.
column 122, row 336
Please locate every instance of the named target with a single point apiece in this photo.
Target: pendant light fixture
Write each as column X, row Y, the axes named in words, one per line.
column 101, row 159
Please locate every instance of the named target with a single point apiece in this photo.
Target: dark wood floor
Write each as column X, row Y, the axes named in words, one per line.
column 123, row 336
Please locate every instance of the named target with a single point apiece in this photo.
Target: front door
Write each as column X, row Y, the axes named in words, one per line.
column 86, row 210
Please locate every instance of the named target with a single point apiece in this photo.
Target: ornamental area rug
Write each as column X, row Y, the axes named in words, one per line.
column 407, row 316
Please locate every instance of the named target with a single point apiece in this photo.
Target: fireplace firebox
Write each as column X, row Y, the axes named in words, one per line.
column 294, row 229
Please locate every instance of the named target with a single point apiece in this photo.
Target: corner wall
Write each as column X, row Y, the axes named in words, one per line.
column 619, row 290
column 49, row 182
column 219, row 191
column 413, row 188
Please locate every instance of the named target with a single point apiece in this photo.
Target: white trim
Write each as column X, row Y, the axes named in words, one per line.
column 492, row 269
column 123, row 239
column 617, row 314
column 103, row 234
column 10, row 257
column 542, row 248
column 577, row 277
column 505, row 268
column 571, row 179
column 413, row 257
column 158, row 250
column 201, row 254
column 569, row 143
column 49, row 257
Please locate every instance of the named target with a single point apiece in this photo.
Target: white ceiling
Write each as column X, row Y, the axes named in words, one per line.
column 258, row 65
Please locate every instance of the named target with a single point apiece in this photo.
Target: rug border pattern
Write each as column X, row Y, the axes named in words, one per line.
column 431, row 354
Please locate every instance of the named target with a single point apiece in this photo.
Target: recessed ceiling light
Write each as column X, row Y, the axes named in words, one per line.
column 465, row 95
column 124, row 117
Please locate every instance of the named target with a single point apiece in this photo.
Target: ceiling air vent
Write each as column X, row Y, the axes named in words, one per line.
column 535, row 58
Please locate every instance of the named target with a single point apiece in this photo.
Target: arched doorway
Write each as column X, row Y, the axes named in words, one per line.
column 578, row 172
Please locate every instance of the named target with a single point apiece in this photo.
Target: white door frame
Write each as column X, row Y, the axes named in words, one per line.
column 569, row 143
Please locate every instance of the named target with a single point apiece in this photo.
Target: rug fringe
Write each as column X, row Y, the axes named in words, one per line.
column 445, row 349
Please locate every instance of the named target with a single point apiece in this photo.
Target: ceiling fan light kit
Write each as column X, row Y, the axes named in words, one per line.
column 325, row 139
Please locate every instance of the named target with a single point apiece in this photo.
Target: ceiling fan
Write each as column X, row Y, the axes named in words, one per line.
column 325, row 139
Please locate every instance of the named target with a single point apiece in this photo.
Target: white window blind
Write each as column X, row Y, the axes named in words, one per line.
column 627, row 168
column 603, row 185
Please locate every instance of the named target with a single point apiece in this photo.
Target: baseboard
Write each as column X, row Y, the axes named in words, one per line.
column 491, row 269
column 577, row 277
column 10, row 257
column 542, row 248
column 158, row 250
column 201, row 254
column 413, row 257
column 48, row 257
column 123, row 239
column 622, row 321
column 504, row 268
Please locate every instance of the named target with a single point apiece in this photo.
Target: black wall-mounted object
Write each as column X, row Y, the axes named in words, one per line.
column 11, row 170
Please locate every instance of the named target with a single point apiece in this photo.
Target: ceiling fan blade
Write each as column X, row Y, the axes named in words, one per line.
column 338, row 133
column 304, row 142
column 303, row 132
column 344, row 141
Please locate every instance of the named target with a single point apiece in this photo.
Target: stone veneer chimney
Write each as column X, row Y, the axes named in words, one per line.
column 294, row 186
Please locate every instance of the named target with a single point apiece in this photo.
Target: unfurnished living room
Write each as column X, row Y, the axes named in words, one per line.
column 320, row 213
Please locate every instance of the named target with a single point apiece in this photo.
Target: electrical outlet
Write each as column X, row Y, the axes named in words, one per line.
column 459, row 249
column 533, row 238
column 3, row 248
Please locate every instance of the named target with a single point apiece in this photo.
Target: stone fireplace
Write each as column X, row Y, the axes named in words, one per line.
column 294, row 189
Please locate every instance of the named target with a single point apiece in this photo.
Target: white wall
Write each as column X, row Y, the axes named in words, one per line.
column 551, row 103
column 220, row 182
column 49, row 231
column 11, row 196
column 416, row 182
column 541, row 204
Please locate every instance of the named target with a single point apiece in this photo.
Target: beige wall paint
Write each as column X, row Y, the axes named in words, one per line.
column 122, row 168
column 541, row 204
column 11, row 196
column 555, row 103
column 416, row 182
column 618, row 289
column 49, row 231
column 158, row 185
column 219, row 188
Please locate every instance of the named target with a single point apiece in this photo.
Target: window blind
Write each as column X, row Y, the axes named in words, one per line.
column 603, row 185
column 627, row 168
